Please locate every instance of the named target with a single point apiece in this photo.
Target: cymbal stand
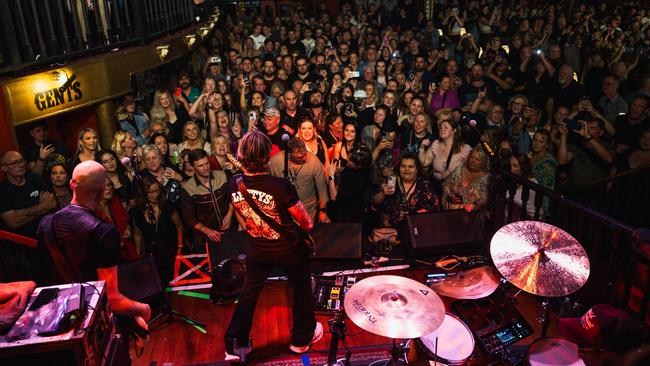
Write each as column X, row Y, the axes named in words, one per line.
column 544, row 319
column 395, row 354
column 337, row 329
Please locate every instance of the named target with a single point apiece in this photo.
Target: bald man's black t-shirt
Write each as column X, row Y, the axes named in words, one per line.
column 84, row 241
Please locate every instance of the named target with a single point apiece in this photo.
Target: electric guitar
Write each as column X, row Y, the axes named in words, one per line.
column 304, row 235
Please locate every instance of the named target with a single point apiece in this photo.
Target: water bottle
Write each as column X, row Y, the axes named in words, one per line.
column 176, row 157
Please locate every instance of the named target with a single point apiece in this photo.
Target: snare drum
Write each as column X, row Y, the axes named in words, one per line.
column 455, row 343
column 554, row 352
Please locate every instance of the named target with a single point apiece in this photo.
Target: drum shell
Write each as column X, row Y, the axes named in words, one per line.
column 419, row 354
column 554, row 351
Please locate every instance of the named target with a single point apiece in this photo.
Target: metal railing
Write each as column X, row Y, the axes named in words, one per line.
column 607, row 241
column 44, row 32
column 624, row 196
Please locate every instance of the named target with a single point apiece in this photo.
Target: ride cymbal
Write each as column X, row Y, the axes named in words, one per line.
column 540, row 258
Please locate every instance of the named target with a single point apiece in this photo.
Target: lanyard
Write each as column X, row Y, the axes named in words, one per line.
column 407, row 193
column 294, row 176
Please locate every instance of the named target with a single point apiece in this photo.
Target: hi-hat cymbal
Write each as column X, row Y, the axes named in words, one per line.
column 475, row 283
column 394, row 307
column 540, row 258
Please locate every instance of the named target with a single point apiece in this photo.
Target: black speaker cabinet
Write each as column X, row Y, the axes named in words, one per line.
column 337, row 241
column 139, row 280
column 333, row 241
column 440, row 233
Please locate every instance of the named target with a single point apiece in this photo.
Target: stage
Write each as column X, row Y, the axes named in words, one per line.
column 178, row 343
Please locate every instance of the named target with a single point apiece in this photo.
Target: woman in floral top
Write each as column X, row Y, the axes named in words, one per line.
column 467, row 186
column 408, row 195
column 544, row 164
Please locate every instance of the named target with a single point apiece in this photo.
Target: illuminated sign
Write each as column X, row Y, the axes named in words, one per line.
column 69, row 91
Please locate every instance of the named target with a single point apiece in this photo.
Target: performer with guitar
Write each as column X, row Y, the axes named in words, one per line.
column 266, row 207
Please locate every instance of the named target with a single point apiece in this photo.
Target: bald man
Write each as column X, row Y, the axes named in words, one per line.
column 80, row 247
column 24, row 199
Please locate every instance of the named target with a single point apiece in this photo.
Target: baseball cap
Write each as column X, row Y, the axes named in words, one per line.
column 603, row 325
column 271, row 112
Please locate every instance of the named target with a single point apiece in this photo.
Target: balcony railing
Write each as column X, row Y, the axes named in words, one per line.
column 44, row 32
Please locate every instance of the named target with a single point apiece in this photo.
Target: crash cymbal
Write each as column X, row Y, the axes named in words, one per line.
column 475, row 283
column 394, row 307
column 540, row 258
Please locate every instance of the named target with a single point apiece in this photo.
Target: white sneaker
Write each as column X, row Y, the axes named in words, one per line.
column 231, row 358
column 318, row 334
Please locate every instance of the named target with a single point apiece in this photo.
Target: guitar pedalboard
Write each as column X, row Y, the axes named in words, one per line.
column 329, row 292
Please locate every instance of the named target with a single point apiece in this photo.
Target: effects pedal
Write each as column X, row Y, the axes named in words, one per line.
column 349, row 283
column 334, row 302
column 329, row 292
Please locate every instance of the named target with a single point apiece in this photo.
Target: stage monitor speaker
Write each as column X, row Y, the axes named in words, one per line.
column 337, row 241
column 440, row 233
column 227, row 266
column 333, row 241
column 139, row 280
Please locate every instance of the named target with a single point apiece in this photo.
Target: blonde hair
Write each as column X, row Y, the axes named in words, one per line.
column 157, row 111
column 116, row 145
column 444, row 114
column 200, row 137
column 427, row 120
column 80, row 145
column 152, row 148
column 226, row 141
column 484, row 159
column 165, row 129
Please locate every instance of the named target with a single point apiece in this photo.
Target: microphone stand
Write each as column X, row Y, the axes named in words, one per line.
column 285, row 138
column 166, row 308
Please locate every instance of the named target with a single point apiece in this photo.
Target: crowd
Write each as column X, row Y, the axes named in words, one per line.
column 374, row 114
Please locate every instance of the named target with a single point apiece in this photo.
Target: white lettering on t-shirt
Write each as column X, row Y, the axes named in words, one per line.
column 259, row 196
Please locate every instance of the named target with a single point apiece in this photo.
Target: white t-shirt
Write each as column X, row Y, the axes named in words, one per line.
column 310, row 44
column 258, row 41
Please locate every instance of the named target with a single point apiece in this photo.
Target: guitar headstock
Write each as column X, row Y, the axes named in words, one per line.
column 233, row 160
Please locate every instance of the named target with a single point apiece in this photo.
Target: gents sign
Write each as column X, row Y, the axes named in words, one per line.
column 69, row 92
column 54, row 92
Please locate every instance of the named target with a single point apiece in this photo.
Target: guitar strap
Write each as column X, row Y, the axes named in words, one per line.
column 278, row 228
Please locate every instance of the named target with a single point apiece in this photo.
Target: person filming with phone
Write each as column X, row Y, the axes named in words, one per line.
column 404, row 194
column 590, row 157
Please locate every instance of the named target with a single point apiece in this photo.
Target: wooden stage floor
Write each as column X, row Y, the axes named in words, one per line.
column 178, row 343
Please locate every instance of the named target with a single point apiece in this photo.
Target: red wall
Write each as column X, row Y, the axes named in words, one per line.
column 6, row 138
column 64, row 128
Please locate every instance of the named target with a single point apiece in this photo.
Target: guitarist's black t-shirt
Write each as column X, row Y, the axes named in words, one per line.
column 274, row 196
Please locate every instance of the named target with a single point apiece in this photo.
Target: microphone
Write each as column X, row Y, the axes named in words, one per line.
column 285, row 137
column 472, row 123
column 127, row 161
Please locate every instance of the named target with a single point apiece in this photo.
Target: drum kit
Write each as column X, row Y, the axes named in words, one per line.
column 535, row 257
